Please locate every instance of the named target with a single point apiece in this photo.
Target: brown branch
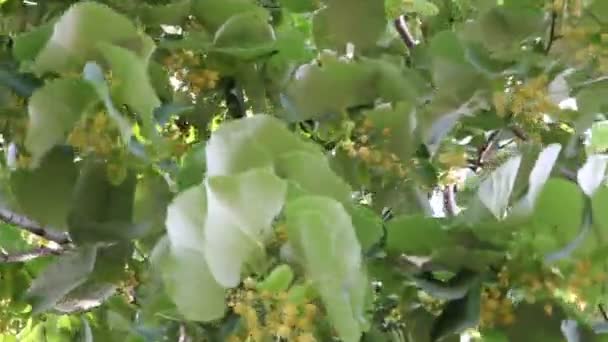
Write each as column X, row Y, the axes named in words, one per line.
column 33, row 227
column 449, row 201
column 29, row 255
column 407, row 37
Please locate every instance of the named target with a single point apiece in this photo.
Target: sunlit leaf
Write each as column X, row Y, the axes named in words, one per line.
column 237, row 221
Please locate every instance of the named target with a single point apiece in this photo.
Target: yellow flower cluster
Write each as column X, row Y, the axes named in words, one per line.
column 188, row 69
column 526, row 102
column 496, row 307
column 99, row 136
column 267, row 316
column 372, row 155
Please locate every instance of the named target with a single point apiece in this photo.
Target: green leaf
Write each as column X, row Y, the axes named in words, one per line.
column 186, row 217
column 415, row 235
column 80, row 31
column 278, row 280
column 359, row 22
column 558, row 212
column 245, row 30
column 299, row 6
column 322, row 234
column 599, row 136
column 172, row 13
column 392, row 131
column 214, row 13
column 66, row 273
column 311, row 172
column 238, row 221
column 504, row 27
column 45, row 194
column 27, row 45
column 131, row 83
column 368, row 226
column 253, row 142
column 107, row 216
column 53, row 111
column 188, row 282
column 193, row 167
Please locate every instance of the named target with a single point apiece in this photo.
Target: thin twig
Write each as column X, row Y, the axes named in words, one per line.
column 33, row 227
column 484, row 150
column 551, row 32
column 449, row 201
column 29, row 255
column 518, row 132
column 602, row 311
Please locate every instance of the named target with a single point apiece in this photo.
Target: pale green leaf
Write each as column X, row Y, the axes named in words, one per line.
column 214, row 13
column 311, row 172
column 188, row 282
column 323, row 236
column 131, row 82
column 78, row 33
column 238, row 221
column 248, row 143
column 360, row 22
column 592, row 174
column 53, row 111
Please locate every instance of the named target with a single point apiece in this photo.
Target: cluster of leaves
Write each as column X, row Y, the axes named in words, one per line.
column 303, row 170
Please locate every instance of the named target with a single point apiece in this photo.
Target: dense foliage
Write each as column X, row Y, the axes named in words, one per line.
column 303, row 170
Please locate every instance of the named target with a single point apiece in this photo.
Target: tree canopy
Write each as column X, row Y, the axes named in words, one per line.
column 303, row 170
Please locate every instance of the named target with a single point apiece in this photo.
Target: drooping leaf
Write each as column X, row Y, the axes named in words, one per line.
column 131, row 82
column 278, row 280
column 214, row 13
column 250, row 143
column 188, row 282
column 62, row 276
column 53, row 111
column 311, row 172
column 107, row 216
column 45, row 194
column 359, row 22
column 237, row 221
column 415, row 235
column 78, row 33
column 368, row 226
column 322, row 234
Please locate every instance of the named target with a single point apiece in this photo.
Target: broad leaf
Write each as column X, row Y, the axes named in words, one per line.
column 189, row 283
column 78, row 33
column 62, row 276
column 495, row 192
column 45, row 194
column 238, row 221
column 415, row 235
column 53, row 111
column 322, row 234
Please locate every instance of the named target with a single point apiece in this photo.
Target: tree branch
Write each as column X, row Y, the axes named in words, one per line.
column 33, row 227
column 30, row 255
column 407, row 37
column 551, row 32
column 449, row 201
